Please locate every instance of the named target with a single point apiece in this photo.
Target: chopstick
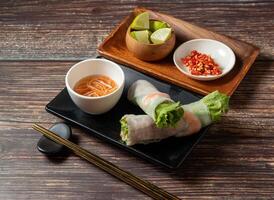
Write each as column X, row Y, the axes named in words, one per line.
column 125, row 176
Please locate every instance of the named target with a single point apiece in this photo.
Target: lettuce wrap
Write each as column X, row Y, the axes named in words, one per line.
column 159, row 106
column 136, row 129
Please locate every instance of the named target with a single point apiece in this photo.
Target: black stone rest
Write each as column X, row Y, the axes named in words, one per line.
column 48, row 146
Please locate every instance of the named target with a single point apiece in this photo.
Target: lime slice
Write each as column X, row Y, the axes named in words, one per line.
column 161, row 35
column 133, row 34
column 155, row 25
column 141, row 22
column 141, row 36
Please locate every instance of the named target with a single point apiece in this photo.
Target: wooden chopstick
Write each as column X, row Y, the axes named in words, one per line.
column 142, row 185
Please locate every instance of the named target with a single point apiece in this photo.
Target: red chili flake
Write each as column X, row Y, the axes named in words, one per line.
column 201, row 64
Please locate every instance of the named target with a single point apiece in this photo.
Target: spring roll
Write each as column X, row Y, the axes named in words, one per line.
column 141, row 129
column 159, row 106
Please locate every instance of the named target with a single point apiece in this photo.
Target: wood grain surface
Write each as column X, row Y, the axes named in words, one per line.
column 40, row 40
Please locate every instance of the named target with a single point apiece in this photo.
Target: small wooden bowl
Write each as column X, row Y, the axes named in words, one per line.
column 149, row 52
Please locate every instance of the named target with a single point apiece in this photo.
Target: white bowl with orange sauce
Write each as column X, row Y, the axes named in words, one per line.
column 96, row 67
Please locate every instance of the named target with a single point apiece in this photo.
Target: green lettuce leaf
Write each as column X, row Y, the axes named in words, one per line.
column 168, row 114
column 217, row 104
column 124, row 129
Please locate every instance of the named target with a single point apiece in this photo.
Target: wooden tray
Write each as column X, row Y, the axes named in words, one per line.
column 114, row 48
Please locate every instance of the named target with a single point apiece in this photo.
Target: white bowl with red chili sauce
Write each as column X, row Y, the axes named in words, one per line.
column 95, row 68
column 216, row 59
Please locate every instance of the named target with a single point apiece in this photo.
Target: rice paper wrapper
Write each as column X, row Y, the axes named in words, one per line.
column 141, row 129
column 147, row 97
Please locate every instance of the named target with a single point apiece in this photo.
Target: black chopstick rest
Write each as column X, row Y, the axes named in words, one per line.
column 48, row 146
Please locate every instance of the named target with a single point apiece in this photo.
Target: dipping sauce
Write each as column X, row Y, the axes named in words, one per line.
column 201, row 64
column 95, row 86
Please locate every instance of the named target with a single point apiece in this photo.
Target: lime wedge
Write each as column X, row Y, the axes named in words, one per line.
column 161, row 35
column 141, row 36
column 141, row 22
column 155, row 25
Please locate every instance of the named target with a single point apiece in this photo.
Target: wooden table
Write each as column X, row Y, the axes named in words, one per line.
column 40, row 40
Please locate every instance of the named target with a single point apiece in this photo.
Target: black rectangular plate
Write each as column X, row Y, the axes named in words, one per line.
column 170, row 152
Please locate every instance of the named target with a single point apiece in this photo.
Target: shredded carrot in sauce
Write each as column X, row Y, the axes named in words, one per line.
column 95, row 86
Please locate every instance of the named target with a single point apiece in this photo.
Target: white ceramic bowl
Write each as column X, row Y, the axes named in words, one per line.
column 95, row 105
column 221, row 53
